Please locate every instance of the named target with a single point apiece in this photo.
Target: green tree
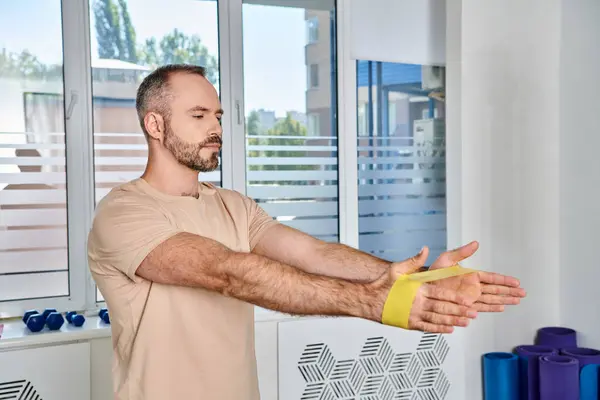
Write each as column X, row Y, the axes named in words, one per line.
column 26, row 65
column 116, row 38
column 253, row 124
column 114, row 31
column 179, row 48
column 284, row 127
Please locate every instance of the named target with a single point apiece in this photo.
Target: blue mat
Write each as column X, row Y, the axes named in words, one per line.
column 501, row 376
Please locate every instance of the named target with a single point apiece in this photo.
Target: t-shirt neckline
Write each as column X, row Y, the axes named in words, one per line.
column 203, row 189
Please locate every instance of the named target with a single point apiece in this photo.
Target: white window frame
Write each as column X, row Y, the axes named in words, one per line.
column 347, row 129
column 80, row 149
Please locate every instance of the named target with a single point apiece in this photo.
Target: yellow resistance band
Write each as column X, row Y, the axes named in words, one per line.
column 398, row 304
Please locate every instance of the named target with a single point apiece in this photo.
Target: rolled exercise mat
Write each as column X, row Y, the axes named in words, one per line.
column 588, row 382
column 529, row 381
column 500, row 376
column 557, row 337
column 559, row 378
column 584, row 355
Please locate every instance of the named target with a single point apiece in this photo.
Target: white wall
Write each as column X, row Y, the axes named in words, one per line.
column 523, row 127
column 580, row 167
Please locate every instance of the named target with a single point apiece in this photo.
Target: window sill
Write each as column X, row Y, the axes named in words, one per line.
column 17, row 335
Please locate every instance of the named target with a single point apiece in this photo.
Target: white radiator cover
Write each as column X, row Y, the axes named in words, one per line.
column 46, row 373
column 347, row 358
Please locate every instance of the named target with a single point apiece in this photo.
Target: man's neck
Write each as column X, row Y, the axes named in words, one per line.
column 176, row 180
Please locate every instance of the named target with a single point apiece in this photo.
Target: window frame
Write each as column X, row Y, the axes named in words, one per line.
column 80, row 147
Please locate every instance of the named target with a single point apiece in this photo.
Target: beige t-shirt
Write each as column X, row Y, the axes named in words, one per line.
column 174, row 342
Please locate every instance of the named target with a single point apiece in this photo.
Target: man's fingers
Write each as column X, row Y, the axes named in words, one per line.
column 412, row 264
column 503, row 290
column 442, row 319
column 447, row 308
column 438, row 293
column 428, row 327
column 480, row 307
column 493, row 299
column 498, row 279
column 457, row 255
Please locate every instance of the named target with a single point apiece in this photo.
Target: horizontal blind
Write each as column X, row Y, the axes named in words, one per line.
column 402, row 201
column 294, row 178
column 404, row 31
column 33, row 202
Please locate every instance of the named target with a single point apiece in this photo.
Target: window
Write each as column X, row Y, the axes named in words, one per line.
column 189, row 34
column 401, row 162
column 363, row 119
column 313, row 76
column 312, row 30
column 290, row 173
column 314, row 126
column 69, row 132
column 33, row 202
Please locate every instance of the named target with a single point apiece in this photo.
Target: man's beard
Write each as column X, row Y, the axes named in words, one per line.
column 188, row 154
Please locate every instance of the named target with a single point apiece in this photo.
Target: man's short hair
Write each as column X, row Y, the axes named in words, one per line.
column 153, row 93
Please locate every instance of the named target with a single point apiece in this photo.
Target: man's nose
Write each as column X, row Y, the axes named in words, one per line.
column 216, row 128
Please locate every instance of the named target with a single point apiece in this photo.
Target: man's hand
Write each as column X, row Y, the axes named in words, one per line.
column 489, row 292
column 435, row 308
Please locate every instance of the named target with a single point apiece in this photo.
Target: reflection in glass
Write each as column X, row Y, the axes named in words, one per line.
column 401, row 159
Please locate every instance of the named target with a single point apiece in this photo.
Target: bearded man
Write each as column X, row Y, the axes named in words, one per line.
column 181, row 263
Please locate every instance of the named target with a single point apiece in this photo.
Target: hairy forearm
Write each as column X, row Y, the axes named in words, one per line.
column 283, row 288
column 189, row 260
column 338, row 260
column 295, row 248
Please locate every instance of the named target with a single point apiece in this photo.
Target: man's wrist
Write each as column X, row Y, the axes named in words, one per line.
column 370, row 298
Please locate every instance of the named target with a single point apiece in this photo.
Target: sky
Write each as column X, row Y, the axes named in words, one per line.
column 274, row 39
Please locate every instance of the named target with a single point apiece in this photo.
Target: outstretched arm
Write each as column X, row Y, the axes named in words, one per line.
column 195, row 261
column 302, row 251
column 315, row 256
column 191, row 260
column 153, row 249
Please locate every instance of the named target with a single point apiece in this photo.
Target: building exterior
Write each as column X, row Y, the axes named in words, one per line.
column 319, row 72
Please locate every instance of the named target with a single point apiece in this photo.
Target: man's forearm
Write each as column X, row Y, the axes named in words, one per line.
column 276, row 286
column 190, row 260
column 338, row 260
column 293, row 247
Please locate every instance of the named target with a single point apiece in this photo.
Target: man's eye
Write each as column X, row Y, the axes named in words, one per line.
column 199, row 116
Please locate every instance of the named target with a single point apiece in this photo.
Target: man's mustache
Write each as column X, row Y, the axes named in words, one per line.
column 212, row 140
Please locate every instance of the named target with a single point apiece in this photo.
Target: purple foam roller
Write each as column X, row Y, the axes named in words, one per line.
column 559, row 378
column 584, row 355
column 529, row 369
column 557, row 337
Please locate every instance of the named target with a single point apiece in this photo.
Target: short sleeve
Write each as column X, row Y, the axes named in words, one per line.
column 259, row 221
column 125, row 230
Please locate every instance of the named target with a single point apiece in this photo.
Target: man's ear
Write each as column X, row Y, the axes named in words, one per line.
column 155, row 126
